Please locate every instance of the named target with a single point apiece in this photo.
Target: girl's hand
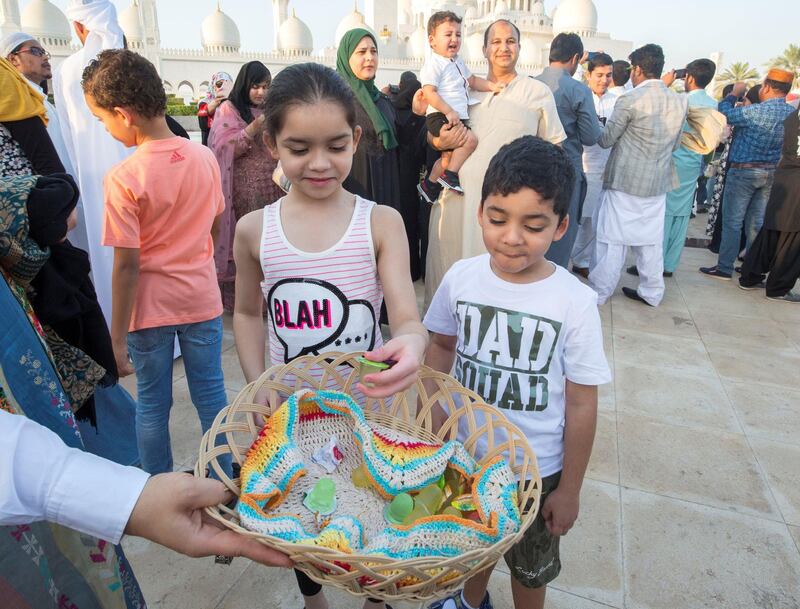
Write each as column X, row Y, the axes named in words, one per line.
column 408, row 350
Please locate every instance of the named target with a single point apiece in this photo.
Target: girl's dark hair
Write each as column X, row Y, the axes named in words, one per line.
column 306, row 84
column 251, row 73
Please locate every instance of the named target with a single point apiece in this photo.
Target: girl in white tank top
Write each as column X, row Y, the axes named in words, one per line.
column 321, row 259
column 321, row 301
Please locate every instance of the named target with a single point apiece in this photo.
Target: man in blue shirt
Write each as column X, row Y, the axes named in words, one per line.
column 753, row 156
column 579, row 119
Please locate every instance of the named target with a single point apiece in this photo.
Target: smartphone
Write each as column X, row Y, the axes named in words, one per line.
column 590, row 56
column 680, row 73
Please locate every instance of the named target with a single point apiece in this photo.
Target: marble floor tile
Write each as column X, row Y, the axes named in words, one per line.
column 606, row 394
column 701, row 465
column 558, row 599
column 603, row 464
column 795, row 531
column 674, row 397
column 591, row 552
column 782, row 311
column 751, row 364
column 678, row 354
column 232, row 370
column 172, row 581
column 675, row 321
column 714, row 325
column 184, row 425
column 793, row 332
column 726, row 299
column 260, row 587
column 685, row 555
column 766, row 411
column 781, row 462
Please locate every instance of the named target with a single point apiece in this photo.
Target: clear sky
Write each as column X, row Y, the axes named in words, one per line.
column 744, row 30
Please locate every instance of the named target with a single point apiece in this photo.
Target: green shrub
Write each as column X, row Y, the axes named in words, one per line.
column 181, row 109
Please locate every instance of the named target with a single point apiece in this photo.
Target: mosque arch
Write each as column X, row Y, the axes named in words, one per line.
column 168, row 88
column 185, row 89
column 203, row 88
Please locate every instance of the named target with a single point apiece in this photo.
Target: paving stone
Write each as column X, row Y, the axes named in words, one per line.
column 701, row 465
column 680, row 554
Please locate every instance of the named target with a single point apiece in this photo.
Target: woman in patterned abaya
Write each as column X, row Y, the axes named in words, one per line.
column 41, row 564
column 245, row 163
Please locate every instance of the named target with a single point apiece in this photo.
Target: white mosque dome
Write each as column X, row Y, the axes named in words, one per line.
column 131, row 24
column 294, row 37
column 575, row 16
column 45, row 21
column 418, row 43
column 350, row 22
column 219, row 32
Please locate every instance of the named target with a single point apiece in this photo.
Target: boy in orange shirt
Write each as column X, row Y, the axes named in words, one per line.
column 161, row 207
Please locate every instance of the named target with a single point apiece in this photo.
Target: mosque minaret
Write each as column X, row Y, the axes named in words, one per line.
column 399, row 26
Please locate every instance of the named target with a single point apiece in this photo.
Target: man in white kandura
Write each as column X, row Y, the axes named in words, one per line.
column 91, row 149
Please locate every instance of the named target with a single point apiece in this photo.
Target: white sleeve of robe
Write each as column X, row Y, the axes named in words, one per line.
column 43, row 479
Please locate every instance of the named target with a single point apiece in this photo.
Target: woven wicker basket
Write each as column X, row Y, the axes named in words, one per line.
column 408, row 412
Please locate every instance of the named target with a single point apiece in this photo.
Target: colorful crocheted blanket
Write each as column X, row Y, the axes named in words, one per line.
column 394, row 462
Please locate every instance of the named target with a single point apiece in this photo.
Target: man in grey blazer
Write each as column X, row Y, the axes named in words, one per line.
column 644, row 130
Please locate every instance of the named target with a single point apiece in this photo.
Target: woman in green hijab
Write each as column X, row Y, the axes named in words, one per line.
column 386, row 142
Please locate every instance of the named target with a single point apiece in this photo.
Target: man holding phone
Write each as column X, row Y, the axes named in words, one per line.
column 697, row 76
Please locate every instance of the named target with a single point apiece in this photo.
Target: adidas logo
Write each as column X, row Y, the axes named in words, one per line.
column 176, row 157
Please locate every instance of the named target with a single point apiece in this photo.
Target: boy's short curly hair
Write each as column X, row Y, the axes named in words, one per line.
column 531, row 162
column 124, row 79
column 439, row 18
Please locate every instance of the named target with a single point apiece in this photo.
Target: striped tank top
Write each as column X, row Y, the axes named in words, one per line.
column 321, row 301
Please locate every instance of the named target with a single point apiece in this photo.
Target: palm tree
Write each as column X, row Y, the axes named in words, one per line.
column 789, row 60
column 736, row 72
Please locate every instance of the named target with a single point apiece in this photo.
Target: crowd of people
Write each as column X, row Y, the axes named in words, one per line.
column 314, row 201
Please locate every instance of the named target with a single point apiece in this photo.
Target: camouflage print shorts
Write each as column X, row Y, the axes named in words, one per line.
column 534, row 561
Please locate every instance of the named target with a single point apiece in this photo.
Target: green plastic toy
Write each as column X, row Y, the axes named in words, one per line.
column 399, row 509
column 322, row 498
column 431, row 497
column 367, row 366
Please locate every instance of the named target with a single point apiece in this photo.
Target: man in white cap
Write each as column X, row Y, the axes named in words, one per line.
column 91, row 149
column 30, row 59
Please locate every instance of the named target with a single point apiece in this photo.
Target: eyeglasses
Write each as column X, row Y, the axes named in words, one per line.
column 35, row 51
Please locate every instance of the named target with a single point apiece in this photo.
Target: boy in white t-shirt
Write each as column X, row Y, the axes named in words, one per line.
column 446, row 82
column 525, row 334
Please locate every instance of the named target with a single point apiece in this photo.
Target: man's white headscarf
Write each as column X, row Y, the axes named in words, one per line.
column 100, row 18
column 11, row 41
column 91, row 149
